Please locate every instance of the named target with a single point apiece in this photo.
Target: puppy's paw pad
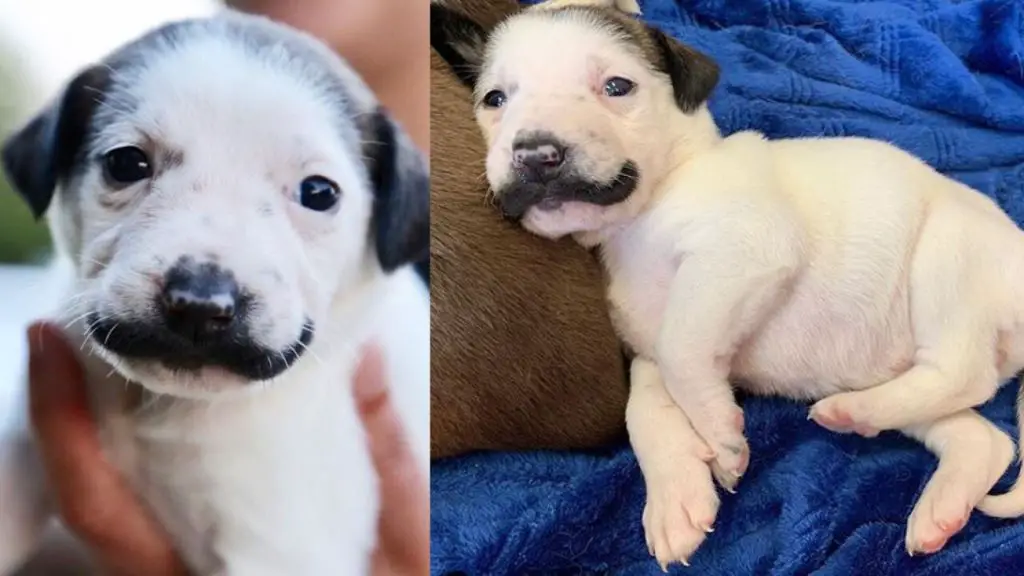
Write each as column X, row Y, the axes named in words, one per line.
column 837, row 414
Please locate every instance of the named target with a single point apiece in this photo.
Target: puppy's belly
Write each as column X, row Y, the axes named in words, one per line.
column 281, row 484
column 813, row 346
column 829, row 335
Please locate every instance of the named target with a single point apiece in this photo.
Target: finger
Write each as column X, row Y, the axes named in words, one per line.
column 91, row 496
column 405, row 497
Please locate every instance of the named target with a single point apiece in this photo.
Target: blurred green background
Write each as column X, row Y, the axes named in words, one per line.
column 22, row 239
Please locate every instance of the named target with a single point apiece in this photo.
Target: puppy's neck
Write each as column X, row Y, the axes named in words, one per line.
column 686, row 136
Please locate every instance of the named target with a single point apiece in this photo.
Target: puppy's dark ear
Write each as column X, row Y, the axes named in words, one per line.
column 459, row 41
column 41, row 154
column 694, row 75
column 401, row 185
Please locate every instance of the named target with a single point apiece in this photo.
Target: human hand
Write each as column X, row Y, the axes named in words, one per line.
column 386, row 41
column 403, row 536
column 92, row 498
column 373, row 35
column 104, row 513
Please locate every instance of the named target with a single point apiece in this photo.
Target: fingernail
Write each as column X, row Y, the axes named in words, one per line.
column 47, row 368
column 39, row 338
column 35, row 336
column 369, row 373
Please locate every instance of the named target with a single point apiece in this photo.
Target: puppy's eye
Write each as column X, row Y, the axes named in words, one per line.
column 495, row 99
column 127, row 165
column 618, row 86
column 319, row 193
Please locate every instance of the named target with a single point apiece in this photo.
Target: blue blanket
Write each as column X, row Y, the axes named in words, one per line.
column 942, row 79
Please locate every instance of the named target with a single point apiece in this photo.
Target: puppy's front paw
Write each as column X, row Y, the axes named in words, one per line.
column 680, row 511
column 731, row 452
column 841, row 413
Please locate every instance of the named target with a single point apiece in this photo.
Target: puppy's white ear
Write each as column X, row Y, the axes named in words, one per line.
column 459, row 41
column 693, row 74
column 401, row 186
column 43, row 153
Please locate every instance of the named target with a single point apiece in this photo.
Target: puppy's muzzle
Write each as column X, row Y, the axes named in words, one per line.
column 203, row 319
column 546, row 176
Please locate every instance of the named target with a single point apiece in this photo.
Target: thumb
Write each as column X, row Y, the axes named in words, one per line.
column 404, row 539
column 55, row 375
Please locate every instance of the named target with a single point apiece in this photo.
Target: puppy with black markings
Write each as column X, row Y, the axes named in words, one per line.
column 237, row 218
column 733, row 259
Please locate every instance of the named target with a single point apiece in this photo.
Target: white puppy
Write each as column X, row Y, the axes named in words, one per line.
column 838, row 270
column 238, row 217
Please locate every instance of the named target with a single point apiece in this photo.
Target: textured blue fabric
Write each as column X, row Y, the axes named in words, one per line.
column 944, row 80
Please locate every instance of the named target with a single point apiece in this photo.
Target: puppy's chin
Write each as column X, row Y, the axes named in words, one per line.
column 564, row 219
column 206, row 383
column 518, row 195
column 166, row 363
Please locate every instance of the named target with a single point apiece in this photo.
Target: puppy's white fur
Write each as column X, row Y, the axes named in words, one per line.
column 270, row 478
column 841, row 270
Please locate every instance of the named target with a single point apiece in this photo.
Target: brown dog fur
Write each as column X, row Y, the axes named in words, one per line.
column 523, row 354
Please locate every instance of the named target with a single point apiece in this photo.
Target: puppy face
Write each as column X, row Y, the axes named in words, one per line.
column 573, row 102
column 222, row 184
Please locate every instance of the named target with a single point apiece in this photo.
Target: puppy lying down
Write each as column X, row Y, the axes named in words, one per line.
column 236, row 216
column 840, row 270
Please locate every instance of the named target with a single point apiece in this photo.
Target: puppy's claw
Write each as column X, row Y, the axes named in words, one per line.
column 684, row 561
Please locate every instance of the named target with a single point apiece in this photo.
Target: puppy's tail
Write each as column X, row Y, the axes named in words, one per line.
column 1011, row 503
column 25, row 506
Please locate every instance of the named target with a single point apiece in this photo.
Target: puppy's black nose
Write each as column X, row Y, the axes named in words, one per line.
column 199, row 301
column 538, row 156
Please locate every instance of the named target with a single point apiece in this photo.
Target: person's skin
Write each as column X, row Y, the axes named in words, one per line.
column 101, row 509
column 386, row 41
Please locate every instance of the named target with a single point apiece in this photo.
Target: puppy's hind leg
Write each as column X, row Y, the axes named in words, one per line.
column 928, row 391
column 955, row 336
column 972, row 454
column 681, row 499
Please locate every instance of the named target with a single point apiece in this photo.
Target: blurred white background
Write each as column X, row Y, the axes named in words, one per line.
column 42, row 44
column 54, row 38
